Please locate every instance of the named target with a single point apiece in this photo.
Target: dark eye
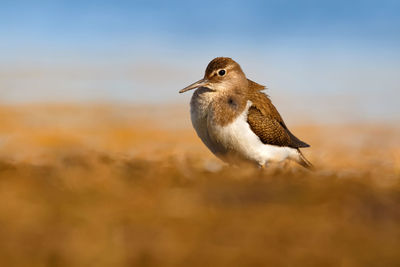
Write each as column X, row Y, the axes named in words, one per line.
column 221, row 72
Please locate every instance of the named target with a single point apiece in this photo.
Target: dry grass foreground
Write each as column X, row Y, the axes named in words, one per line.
column 116, row 186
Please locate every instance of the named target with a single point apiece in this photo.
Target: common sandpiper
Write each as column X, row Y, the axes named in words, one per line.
column 236, row 120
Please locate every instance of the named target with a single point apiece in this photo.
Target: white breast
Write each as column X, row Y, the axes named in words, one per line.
column 199, row 108
column 238, row 137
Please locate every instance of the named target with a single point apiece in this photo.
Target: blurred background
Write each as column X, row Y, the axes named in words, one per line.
column 100, row 166
column 336, row 60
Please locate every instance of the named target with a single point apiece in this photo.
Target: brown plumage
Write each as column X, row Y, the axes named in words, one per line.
column 222, row 96
column 266, row 122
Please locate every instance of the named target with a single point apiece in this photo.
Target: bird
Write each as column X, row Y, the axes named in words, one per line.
column 236, row 120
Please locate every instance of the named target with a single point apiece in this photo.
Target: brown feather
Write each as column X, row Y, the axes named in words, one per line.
column 253, row 86
column 227, row 107
column 221, row 63
column 266, row 122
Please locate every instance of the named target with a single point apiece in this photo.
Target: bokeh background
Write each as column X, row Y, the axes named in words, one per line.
column 99, row 164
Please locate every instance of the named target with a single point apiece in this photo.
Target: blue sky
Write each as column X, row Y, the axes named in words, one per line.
column 143, row 51
column 115, row 22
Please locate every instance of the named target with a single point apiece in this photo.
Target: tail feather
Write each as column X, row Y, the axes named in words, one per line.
column 303, row 161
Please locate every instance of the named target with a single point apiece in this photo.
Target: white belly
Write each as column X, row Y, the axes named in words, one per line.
column 236, row 137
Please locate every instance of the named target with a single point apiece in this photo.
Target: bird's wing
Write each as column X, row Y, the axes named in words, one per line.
column 266, row 122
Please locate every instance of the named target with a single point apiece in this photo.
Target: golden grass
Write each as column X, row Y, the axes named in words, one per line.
column 114, row 186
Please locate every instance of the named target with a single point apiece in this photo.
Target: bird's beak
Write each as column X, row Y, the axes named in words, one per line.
column 199, row 83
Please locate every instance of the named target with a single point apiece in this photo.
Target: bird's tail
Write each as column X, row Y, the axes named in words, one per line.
column 303, row 161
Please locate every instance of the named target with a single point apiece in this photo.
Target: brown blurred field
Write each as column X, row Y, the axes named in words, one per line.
column 133, row 186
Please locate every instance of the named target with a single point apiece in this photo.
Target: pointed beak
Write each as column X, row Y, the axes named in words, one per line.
column 199, row 83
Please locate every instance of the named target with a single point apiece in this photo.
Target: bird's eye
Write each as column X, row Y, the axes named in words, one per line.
column 221, row 72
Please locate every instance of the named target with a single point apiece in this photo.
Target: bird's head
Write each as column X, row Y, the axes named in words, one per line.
column 222, row 74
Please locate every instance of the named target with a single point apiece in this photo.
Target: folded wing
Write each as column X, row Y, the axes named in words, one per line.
column 266, row 122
